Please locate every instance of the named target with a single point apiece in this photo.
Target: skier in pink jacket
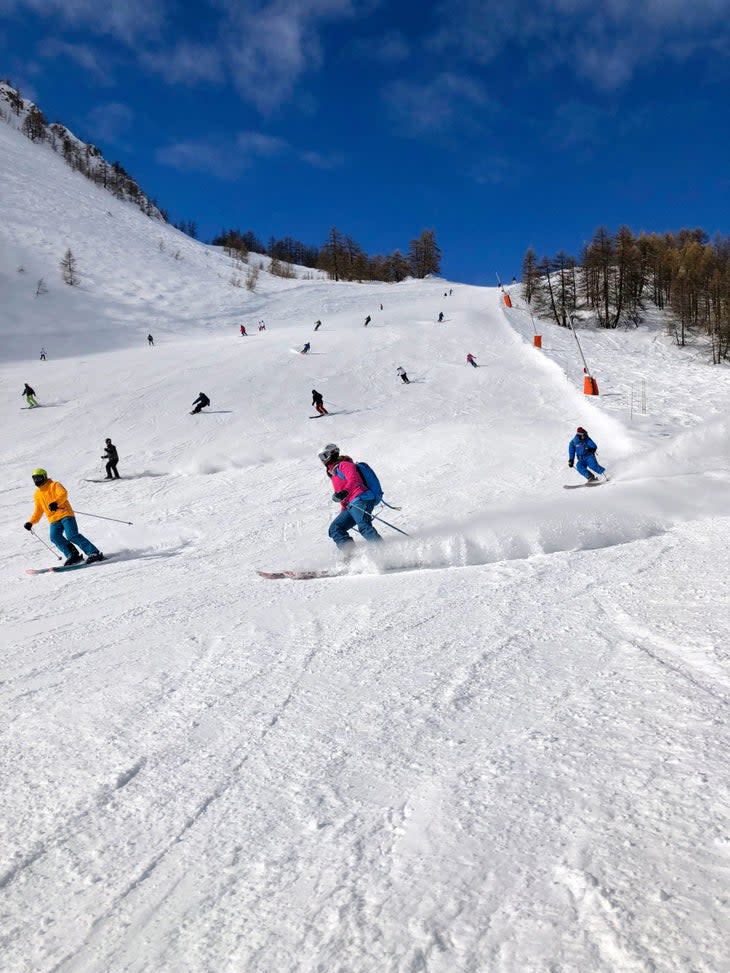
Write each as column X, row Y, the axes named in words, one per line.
column 356, row 500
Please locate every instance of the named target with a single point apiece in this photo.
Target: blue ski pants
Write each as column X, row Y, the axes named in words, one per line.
column 357, row 515
column 64, row 533
column 588, row 462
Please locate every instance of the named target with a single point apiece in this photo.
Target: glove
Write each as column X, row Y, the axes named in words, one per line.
column 53, row 506
column 570, row 463
column 340, row 495
column 28, row 525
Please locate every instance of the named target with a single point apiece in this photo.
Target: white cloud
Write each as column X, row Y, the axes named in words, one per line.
column 83, row 55
column 186, row 63
column 263, row 47
column 226, row 157
column 604, row 44
column 268, row 46
column 209, row 156
column 127, row 21
column 254, row 144
column 435, row 105
column 322, row 160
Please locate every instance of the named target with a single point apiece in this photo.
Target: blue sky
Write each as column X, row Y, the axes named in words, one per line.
column 499, row 124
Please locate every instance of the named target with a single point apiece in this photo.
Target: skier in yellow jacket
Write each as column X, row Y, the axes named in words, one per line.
column 51, row 499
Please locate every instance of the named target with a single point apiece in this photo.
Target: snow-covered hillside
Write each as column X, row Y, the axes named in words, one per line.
column 499, row 745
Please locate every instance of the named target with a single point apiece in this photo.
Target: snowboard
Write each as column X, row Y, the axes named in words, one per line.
column 58, row 568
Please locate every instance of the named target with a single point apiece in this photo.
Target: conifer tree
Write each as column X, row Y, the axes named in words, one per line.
column 530, row 275
column 68, row 269
column 35, row 125
column 424, row 255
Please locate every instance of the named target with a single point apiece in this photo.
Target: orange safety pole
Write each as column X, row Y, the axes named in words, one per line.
column 590, row 385
column 537, row 338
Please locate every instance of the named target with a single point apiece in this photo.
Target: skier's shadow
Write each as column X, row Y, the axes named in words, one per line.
column 215, row 412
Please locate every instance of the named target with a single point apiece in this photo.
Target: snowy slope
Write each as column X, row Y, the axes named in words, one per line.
column 509, row 754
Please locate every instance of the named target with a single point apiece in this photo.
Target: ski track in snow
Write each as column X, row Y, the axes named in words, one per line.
column 498, row 746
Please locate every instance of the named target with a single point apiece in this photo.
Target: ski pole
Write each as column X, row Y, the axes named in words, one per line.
column 375, row 517
column 57, row 556
column 116, row 520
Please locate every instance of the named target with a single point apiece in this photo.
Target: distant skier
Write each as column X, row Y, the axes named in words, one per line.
column 150, row 340
column 318, row 402
column 368, row 319
column 112, row 457
column 441, row 316
column 582, row 448
column 51, row 499
column 451, row 291
column 305, row 349
column 472, row 360
column 355, row 499
column 43, row 354
column 445, row 294
column 317, row 325
column 29, row 396
column 244, row 333
column 262, row 326
column 381, row 307
column 402, row 372
column 201, row 402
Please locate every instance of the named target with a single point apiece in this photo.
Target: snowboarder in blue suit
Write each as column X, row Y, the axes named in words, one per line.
column 582, row 448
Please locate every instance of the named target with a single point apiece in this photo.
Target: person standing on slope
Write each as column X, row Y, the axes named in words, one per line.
column 317, row 325
column 112, row 457
column 201, row 402
column 472, row 360
column 355, row 499
column 582, row 448
column 150, row 340
column 368, row 319
column 318, row 402
column 51, row 499
column 402, row 372
column 29, row 396
column 441, row 314
column 244, row 333
column 43, row 354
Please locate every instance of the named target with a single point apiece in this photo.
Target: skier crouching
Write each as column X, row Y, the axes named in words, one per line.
column 582, row 448
column 355, row 499
column 51, row 499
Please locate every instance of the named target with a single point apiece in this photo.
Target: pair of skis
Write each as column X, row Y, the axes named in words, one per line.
column 58, row 568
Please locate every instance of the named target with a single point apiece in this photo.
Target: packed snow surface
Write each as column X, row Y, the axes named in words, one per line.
column 500, row 744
